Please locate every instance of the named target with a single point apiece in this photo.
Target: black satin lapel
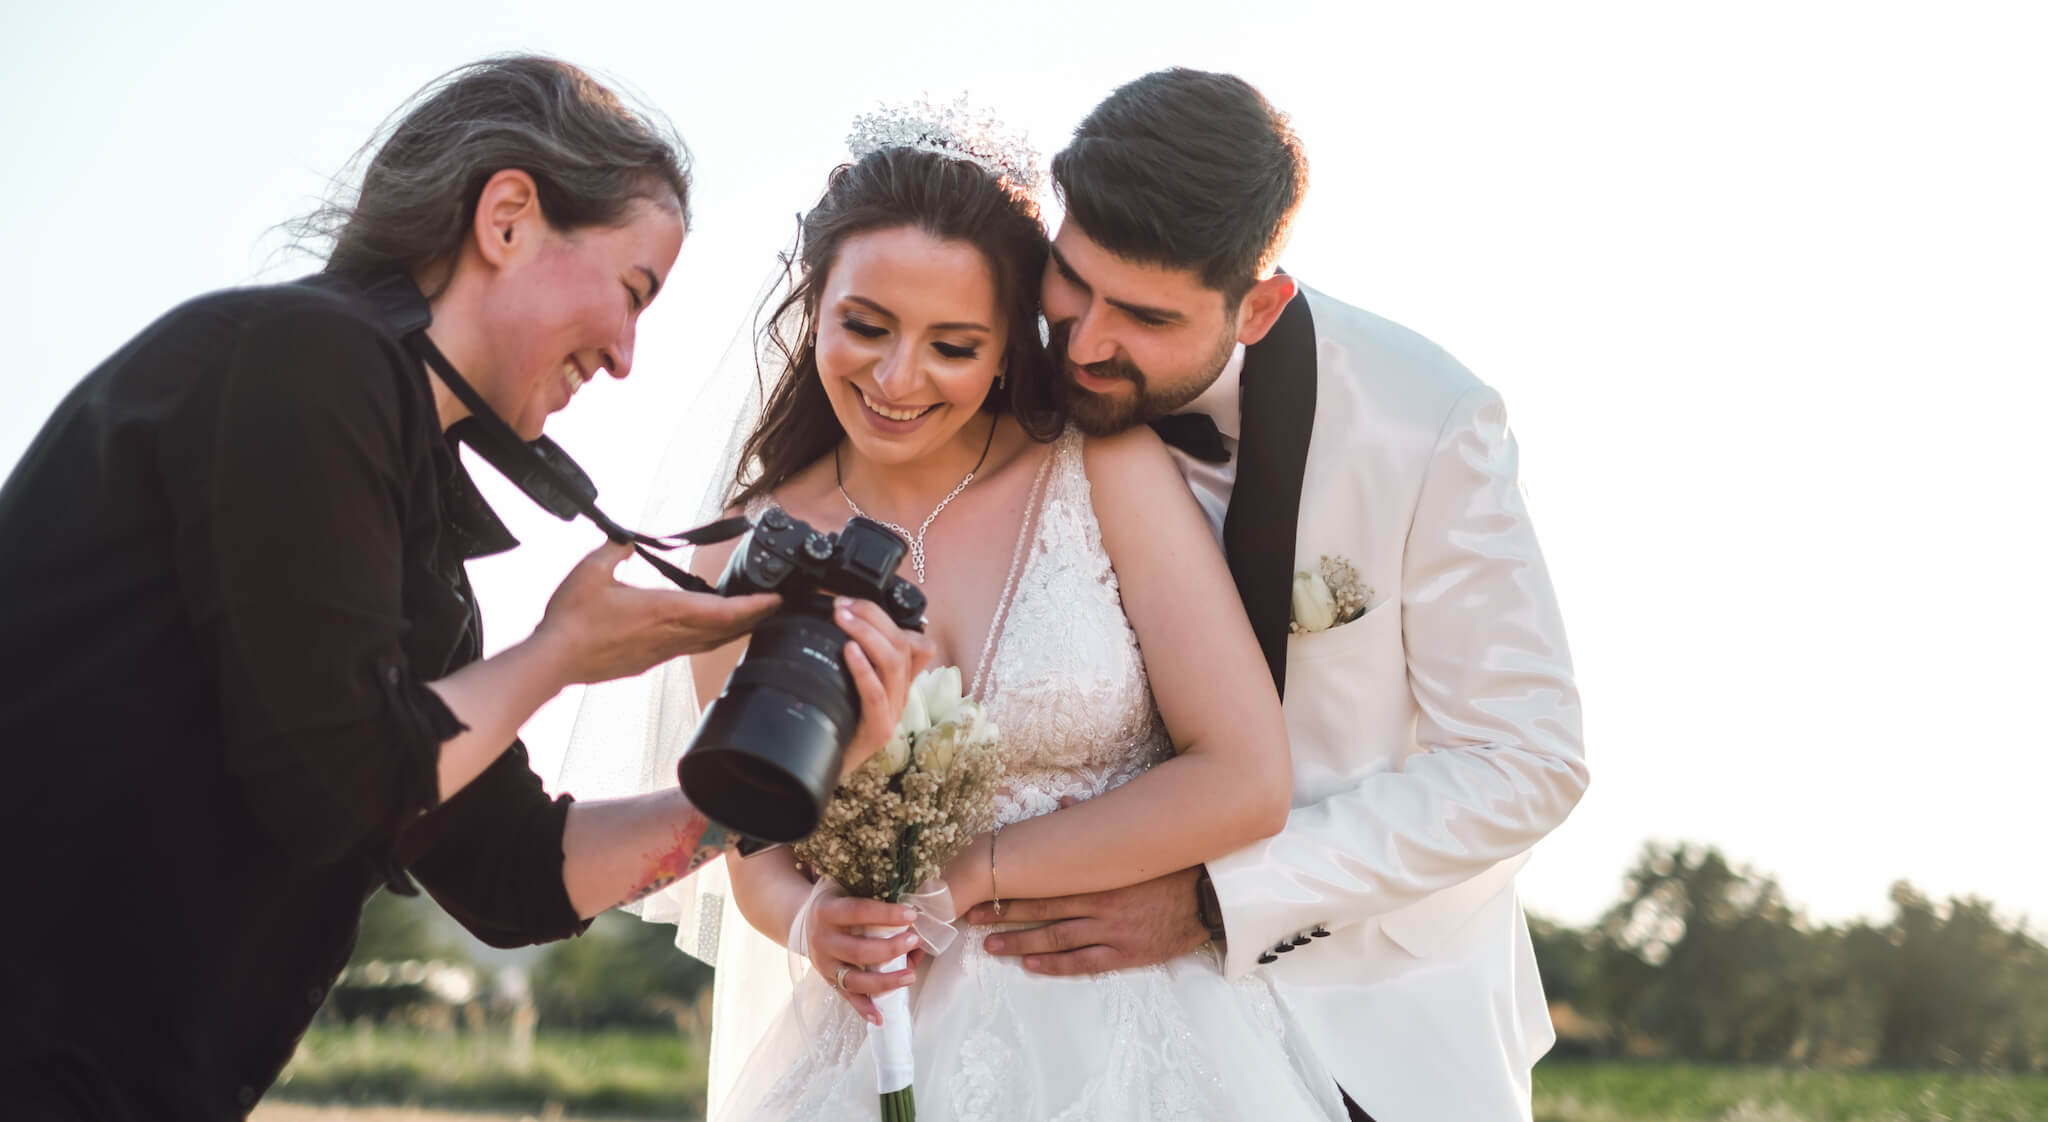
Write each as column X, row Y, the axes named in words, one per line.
column 1277, row 401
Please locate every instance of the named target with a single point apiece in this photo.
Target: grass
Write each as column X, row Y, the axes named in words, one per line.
column 661, row 1075
column 619, row 1074
column 1592, row 1091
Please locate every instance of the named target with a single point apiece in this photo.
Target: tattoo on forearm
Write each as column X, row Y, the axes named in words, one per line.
column 693, row 845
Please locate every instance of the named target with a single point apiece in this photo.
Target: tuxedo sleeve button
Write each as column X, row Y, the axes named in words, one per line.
column 1283, row 948
column 1300, row 941
column 1268, row 958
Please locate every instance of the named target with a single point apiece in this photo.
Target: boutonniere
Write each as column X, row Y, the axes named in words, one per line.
column 1324, row 599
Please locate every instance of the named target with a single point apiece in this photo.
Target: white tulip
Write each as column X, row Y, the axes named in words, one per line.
column 894, row 756
column 915, row 718
column 941, row 689
column 937, row 748
column 1314, row 608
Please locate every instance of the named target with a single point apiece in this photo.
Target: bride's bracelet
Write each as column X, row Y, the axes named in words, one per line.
column 996, row 903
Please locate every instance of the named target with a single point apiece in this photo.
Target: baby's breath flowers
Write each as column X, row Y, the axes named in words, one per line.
column 896, row 820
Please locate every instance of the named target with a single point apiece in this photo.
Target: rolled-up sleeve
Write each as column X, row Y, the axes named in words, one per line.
column 492, row 856
column 289, row 479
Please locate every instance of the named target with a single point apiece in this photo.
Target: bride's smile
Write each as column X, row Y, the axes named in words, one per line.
column 897, row 415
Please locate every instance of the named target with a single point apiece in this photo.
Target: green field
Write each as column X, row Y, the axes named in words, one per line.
column 660, row 1075
column 625, row 1074
column 1657, row 1092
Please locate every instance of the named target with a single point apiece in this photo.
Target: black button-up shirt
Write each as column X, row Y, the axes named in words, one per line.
column 229, row 563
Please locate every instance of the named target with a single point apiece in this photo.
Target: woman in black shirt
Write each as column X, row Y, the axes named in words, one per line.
column 241, row 652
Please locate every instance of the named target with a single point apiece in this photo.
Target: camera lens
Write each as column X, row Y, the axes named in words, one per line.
column 767, row 753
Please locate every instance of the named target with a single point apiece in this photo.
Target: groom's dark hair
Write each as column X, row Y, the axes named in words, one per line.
column 1190, row 170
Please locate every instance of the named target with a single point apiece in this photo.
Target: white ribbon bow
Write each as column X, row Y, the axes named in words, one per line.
column 933, row 915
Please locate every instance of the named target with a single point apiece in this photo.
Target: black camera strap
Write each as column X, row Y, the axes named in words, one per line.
column 548, row 476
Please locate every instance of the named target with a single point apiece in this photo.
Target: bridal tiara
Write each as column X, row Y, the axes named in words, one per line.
column 953, row 129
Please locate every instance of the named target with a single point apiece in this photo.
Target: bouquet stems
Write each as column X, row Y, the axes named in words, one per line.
column 895, row 1059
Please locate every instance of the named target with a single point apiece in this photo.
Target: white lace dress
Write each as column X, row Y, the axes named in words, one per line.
column 1063, row 679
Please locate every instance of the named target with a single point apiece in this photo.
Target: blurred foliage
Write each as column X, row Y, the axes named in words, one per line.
column 1701, row 995
column 1703, row 960
column 622, row 972
column 398, row 928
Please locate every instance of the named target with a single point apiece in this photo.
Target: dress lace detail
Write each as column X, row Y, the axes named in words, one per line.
column 1067, row 686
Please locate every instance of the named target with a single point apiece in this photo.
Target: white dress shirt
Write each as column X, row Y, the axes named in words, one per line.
column 1212, row 483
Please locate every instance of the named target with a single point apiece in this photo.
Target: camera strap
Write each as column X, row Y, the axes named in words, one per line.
column 540, row 469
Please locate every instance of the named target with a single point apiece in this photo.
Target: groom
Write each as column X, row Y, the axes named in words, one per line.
column 1431, row 713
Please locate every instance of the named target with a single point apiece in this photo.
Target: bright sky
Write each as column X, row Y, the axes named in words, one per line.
column 1762, row 284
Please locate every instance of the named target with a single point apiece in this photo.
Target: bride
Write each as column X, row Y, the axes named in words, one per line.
column 1077, row 586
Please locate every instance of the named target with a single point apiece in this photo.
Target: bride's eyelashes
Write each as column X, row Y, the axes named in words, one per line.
column 874, row 331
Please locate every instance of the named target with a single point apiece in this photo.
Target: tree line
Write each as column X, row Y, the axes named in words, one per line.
column 1702, row 959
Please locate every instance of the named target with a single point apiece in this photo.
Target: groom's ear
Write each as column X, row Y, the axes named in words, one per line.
column 1261, row 307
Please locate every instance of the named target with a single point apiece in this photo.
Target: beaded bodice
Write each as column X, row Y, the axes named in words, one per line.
column 1062, row 676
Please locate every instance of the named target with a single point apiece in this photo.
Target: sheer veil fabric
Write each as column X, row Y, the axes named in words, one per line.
column 629, row 734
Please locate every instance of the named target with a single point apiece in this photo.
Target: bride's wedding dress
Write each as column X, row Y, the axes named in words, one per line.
column 1062, row 677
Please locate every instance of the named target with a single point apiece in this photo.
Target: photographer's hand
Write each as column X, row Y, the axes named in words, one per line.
column 883, row 659
column 603, row 629
column 595, row 629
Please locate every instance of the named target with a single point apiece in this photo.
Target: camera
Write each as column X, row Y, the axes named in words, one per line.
column 768, row 751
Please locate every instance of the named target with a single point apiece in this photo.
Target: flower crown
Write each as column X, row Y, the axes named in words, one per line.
column 954, row 129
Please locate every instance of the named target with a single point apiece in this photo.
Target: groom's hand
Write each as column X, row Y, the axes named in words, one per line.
column 1136, row 926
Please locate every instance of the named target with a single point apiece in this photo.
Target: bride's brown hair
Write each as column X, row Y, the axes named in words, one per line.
column 949, row 198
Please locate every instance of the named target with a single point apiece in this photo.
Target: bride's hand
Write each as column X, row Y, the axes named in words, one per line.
column 883, row 659
column 845, row 958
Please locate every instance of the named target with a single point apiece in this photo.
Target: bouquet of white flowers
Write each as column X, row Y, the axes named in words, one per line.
column 894, row 823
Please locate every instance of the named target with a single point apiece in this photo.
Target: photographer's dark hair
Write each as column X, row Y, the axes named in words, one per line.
column 590, row 155
column 949, row 198
column 1190, row 170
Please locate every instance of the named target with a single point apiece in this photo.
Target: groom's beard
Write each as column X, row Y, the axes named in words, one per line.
column 1105, row 414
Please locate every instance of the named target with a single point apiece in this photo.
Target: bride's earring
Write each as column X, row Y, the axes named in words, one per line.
column 1001, row 377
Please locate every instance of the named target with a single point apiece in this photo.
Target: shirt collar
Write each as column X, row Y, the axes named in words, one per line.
column 476, row 528
column 1220, row 400
column 467, row 516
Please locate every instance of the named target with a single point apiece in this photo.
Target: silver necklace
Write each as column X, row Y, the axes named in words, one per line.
column 916, row 540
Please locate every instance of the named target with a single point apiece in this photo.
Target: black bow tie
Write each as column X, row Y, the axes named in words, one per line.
column 1193, row 433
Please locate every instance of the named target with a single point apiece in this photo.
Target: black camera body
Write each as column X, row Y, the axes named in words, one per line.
column 767, row 753
column 782, row 554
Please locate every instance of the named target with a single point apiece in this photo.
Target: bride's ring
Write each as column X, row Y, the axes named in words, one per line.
column 839, row 979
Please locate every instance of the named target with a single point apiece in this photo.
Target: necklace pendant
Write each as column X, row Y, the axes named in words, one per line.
column 916, row 541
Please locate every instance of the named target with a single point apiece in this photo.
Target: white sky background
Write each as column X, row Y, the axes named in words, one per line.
column 1763, row 285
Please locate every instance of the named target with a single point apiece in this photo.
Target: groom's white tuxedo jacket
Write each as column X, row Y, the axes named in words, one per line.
column 1434, row 739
